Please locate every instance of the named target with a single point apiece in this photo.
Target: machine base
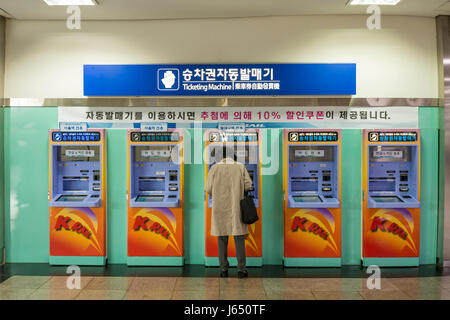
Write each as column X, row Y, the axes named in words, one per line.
column 76, row 260
column 391, row 262
column 155, row 261
column 312, row 262
column 251, row 262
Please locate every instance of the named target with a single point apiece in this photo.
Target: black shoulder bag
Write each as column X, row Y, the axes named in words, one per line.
column 248, row 210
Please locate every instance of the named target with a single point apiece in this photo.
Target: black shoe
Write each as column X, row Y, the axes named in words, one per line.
column 224, row 274
column 242, row 274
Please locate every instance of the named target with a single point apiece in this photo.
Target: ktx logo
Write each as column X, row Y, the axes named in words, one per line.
column 168, row 79
column 293, row 136
column 373, row 136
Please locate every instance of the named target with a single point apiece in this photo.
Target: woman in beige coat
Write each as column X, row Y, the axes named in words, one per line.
column 226, row 182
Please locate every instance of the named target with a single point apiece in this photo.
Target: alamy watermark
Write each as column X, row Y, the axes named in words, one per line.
column 374, row 20
column 73, row 22
column 74, row 280
column 374, row 280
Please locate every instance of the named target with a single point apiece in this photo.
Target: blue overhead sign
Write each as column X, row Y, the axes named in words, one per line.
column 220, row 79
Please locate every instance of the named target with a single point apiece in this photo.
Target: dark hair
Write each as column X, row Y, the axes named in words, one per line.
column 228, row 151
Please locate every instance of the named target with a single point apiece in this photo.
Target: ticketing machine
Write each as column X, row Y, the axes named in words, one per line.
column 312, row 198
column 247, row 146
column 155, row 198
column 391, row 197
column 77, row 197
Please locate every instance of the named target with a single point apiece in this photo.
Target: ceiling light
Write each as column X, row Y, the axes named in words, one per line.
column 373, row 2
column 71, row 2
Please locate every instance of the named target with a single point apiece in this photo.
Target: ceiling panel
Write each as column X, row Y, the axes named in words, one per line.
column 188, row 9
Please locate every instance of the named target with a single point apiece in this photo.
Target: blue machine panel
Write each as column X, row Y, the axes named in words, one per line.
column 313, row 177
column 393, row 174
column 154, row 171
column 76, row 173
column 247, row 154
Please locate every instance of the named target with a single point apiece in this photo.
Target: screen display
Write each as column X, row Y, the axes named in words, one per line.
column 307, row 199
column 152, row 198
column 390, row 153
column 387, row 199
column 310, row 153
column 155, row 153
column 80, row 153
column 71, row 198
column 299, row 153
column 242, row 153
column 245, row 154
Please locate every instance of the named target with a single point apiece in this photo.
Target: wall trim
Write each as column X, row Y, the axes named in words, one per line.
column 223, row 102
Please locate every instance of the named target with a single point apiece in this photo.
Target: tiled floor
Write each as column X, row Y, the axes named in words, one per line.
column 213, row 288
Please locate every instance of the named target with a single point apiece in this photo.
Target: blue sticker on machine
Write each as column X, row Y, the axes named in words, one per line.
column 60, row 136
column 296, row 136
column 392, row 136
column 220, row 79
column 155, row 136
column 233, row 137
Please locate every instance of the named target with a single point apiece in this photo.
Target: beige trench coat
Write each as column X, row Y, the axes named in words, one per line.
column 226, row 183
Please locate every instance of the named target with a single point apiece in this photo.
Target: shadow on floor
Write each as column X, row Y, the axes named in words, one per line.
column 119, row 270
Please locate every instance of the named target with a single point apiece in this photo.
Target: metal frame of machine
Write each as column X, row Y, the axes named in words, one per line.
column 155, row 198
column 77, row 196
column 312, row 197
column 253, row 245
column 391, row 197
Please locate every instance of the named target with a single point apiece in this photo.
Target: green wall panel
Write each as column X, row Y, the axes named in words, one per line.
column 272, row 198
column 441, row 197
column 429, row 125
column 194, row 200
column 351, row 191
column 116, row 196
column 2, row 189
column 429, row 196
column 26, row 187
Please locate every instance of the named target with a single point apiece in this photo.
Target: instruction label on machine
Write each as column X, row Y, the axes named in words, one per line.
column 80, row 153
column 388, row 154
column 155, row 153
column 310, row 153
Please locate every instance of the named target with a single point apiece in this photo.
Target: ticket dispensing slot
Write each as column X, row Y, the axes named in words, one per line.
column 75, row 176
column 312, row 177
column 392, row 183
column 154, row 176
column 247, row 155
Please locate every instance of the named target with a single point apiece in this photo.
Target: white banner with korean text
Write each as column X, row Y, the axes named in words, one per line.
column 252, row 117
